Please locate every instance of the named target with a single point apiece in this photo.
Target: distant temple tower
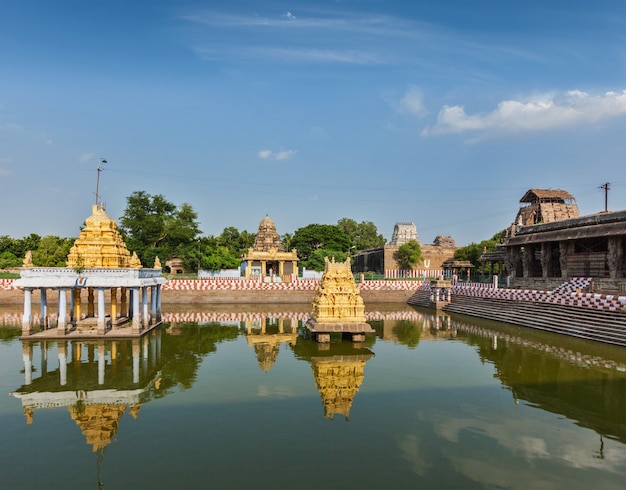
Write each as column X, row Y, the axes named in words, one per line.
column 267, row 258
column 403, row 233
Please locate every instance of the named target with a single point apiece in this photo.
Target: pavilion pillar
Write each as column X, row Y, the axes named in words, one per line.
column 72, row 317
column 124, row 303
column 62, row 318
column 90, row 302
column 113, row 306
column 136, row 312
column 153, row 304
column 294, row 269
column 281, row 268
column 77, row 304
column 144, row 306
column 27, row 316
column 249, row 269
column 527, row 260
column 263, row 269
column 43, row 308
column 101, row 324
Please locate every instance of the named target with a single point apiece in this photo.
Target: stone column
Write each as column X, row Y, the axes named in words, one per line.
column 43, row 307
column 27, row 316
column 77, row 304
column 145, row 317
column 136, row 349
column 124, row 303
column 615, row 257
column 281, row 268
column 62, row 319
column 527, row 260
column 249, row 269
column 263, row 269
column 90, row 309
column 136, row 321
column 113, row 306
column 101, row 324
column 153, row 304
column 546, row 259
column 563, row 251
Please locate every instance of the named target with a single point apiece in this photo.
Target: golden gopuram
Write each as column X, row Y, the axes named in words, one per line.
column 338, row 306
column 111, row 278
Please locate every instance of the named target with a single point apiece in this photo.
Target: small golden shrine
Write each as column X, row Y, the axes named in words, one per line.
column 99, row 422
column 338, row 306
column 267, row 259
column 100, row 244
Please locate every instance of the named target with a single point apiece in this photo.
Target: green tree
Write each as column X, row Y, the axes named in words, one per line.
column 153, row 226
column 364, row 235
column 52, row 251
column 314, row 237
column 9, row 260
column 409, row 254
column 473, row 251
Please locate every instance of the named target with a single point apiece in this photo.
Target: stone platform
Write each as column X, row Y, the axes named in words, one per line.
column 322, row 331
column 84, row 333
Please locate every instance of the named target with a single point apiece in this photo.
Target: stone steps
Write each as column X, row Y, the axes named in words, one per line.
column 586, row 323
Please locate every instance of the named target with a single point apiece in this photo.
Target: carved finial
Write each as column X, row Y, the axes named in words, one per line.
column 135, row 263
column 157, row 264
column 28, row 259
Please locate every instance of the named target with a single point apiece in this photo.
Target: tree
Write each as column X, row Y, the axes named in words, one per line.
column 473, row 251
column 52, row 251
column 364, row 235
column 313, row 237
column 8, row 260
column 409, row 254
column 153, row 226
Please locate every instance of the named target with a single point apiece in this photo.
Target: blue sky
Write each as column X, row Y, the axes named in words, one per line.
column 438, row 113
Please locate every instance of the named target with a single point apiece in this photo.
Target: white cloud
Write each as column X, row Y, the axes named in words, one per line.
column 413, row 102
column 546, row 112
column 4, row 172
column 276, row 155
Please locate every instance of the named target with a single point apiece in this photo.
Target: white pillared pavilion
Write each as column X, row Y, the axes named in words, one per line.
column 99, row 266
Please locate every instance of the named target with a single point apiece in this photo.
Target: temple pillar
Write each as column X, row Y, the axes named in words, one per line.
column 263, row 268
column 123, row 303
column 527, row 261
column 90, row 308
column 145, row 317
column 27, row 316
column 546, row 259
column 294, row 269
column 43, row 308
column 615, row 257
column 113, row 306
column 281, row 268
column 62, row 318
column 136, row 312
column 249, row 269
column 77, row 304
column 101, row 324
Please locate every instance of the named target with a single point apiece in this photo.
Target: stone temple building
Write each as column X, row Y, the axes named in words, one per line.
column 383, row 260
column 550, row 243
column 267, row 259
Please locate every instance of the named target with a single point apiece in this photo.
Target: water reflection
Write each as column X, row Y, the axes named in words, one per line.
column 425, row 389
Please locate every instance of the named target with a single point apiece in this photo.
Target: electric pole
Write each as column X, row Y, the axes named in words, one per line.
column 606, row 186
column 102, row 160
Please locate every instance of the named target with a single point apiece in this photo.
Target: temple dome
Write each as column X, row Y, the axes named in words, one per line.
column 100, row 244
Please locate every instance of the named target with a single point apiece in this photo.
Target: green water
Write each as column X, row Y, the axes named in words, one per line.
column 427, row 402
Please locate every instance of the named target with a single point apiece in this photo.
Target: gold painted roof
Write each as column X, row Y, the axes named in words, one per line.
column 100, row 244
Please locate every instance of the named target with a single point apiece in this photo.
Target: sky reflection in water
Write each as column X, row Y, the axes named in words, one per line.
column 237, row 399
